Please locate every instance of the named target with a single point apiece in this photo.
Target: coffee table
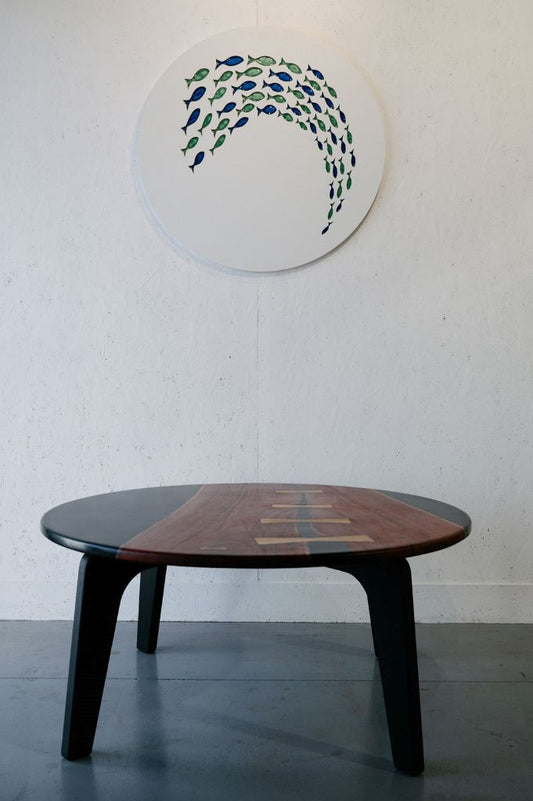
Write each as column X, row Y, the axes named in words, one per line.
column 366, row 533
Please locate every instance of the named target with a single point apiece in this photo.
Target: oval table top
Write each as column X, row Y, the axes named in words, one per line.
column 254, row 525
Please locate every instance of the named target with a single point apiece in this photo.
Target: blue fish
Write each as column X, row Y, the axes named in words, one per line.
column 319, row 144
column 334, row 168
column 277, row 87
column 352, row 158
column 244, row 87
column 307, row 89
column 283, row 76
column 239, row 124
column 312, row 126
column 333, row 137
column 227, row 108
column 270, row 109
column 342, row 115
column 326, row 229
column 198, row 160
column 343, row 144
column 315, row 106
column 331, row 191
column 316, row 73
column 196, row 95
column 295, row 110
column 339, row 207
column 328, row 101
column 231, row 61
column 192, row 119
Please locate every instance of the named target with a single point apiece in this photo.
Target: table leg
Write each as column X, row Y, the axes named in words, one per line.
column 150, row 601
column 390, row 599
column 101, row 583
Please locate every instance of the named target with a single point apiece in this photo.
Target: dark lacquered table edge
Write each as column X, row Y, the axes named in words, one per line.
column 386, row 579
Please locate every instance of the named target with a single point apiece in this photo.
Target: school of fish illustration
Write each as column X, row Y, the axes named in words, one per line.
column 271, row 88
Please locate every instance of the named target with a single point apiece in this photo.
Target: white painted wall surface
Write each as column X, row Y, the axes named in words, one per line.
column 403, row 360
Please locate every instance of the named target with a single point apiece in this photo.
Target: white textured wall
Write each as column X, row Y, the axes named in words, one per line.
column 403, row 360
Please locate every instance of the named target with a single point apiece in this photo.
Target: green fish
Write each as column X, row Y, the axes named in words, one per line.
column 224, row 77
column 333, row 121
column 305, row 109
column 303, row 126
column 330, row 89
column 330, row 212
column 190, row 144
column 349, row 136
column 328, row 165
column 245, row 109
column 297, row 93
column 292, row 67
column 251, row 72
column 266, row 61
column 349, row 181
column 220, row 141
column 218, row 94
column 285, row 116
column 342, row 167
column 199, row 75
column 255, row 97
column 205, row 123
column 316, row 86
column 224, row 122
column 339, row 189
column 330, row 149
column 320, row 123
column 277, row 98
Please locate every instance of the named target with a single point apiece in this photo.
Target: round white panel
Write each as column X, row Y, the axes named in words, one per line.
column 260, row 149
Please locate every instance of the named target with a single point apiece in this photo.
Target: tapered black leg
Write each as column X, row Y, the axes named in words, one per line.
column 101, row 583
column 150, row 601
column 390, row 598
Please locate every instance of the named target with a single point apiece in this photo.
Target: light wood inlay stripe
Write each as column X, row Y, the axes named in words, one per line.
column 284, row 540
column 302, row 506
column 271, row 520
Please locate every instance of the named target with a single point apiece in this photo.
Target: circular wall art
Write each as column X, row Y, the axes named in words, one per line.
column 260, row 149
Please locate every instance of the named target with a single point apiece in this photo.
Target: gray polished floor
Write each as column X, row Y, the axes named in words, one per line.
column 269, row 711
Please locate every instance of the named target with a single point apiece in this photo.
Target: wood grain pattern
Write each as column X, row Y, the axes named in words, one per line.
column 229, row 525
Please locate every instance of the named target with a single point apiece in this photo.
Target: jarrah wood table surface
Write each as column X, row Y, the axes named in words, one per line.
column 366, row 533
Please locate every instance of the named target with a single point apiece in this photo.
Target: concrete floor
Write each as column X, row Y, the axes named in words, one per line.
column 268, row 711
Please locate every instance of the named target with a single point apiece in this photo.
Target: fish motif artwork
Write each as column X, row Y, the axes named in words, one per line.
column 220, row 141
column 255, row 97
column 199, row 75
column 196, row 95
column 244, row 87
column 220, row 92
column 206, row 122
column 316, row 73
column 230, row 87
column 239, row 124
column 197, row 160
column 192, row 119
column 224, row 77
column 270, row 109
column 251, row 72
column 231, row 61
column 190, row 144
column 276, row 87
column 283, row 76
column 290, row 66
column 227, row 108
column 265, row 61
column 223, row 123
